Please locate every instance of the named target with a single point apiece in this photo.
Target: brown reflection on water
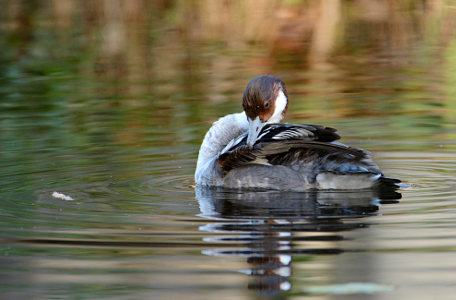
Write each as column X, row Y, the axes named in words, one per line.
column 163, row 65
column 154, row 55
column 130, row 35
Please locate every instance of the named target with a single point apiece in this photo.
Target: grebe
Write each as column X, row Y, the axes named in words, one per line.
column 253, row 150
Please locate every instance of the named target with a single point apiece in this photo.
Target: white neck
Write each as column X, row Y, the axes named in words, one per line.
column 219, row 135
column 280, row 104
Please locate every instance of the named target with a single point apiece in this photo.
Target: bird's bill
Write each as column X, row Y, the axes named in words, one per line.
column 255, row 127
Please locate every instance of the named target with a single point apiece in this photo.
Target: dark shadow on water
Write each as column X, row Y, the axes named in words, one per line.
column 270, row 228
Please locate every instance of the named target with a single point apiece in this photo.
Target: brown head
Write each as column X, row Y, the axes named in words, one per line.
column 265, row 101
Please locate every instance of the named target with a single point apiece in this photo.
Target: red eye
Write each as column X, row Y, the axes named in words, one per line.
column 266, row 104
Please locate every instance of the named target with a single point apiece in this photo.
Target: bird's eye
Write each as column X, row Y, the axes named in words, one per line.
column 266, row 104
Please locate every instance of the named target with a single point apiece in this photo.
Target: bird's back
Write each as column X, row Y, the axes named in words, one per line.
column 297, row 157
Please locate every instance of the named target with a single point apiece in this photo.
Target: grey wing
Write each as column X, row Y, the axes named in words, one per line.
column 327, row 157
column 294, row 153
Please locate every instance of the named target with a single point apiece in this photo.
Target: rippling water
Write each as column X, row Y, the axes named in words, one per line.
column 108, row 106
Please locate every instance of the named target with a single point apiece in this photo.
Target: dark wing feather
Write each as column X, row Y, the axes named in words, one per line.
column 280, row 151
column 287, row 132
column 306, row 132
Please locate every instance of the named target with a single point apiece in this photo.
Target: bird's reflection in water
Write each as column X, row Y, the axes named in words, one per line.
column 269, row 228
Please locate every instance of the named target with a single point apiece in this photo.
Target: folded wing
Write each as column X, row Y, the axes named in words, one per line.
column 287, row 144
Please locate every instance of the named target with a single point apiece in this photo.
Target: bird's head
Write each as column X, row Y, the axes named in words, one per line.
column 265, row 101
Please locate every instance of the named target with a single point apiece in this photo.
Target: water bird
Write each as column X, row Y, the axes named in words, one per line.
column 253, row 150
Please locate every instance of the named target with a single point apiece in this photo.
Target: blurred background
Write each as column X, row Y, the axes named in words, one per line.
column 107, row 101
column 178, row 63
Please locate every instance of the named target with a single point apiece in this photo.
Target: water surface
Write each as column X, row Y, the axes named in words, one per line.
column 108, row 104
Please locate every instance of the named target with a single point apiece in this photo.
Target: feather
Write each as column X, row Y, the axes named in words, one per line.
column 287, row 132
column 278, row 152
column 300, row 132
